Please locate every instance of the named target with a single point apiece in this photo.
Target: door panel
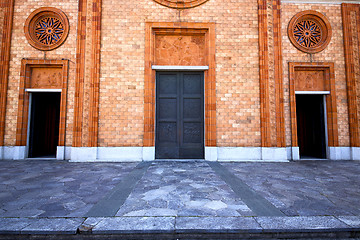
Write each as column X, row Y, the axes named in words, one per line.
column 179, row 115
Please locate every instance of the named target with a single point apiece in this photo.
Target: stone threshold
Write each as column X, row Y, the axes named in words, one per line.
column 186, row 226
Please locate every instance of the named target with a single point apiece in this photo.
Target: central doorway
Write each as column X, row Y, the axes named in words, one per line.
column 311, row 126
column 44, row 125
column 179, row 115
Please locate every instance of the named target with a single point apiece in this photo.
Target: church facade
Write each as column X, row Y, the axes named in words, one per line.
column 220, row 80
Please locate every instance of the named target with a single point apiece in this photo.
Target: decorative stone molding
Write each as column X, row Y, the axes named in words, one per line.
column 180, row 4
column 309, row 31
column 207, row 58
column 46, row 28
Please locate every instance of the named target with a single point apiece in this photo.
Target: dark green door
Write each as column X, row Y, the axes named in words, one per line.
column 179, row 115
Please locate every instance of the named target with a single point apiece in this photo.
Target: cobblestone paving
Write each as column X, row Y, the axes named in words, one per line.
column 306, row 188
column 182, row 189
column 55, row 188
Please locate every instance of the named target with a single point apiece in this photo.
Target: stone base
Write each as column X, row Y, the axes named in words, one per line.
column 355, row 153
column 211, row 153
column 148, row 153
column 13, row 152
column 224, row 154
column 239, row 154
column 63, row 153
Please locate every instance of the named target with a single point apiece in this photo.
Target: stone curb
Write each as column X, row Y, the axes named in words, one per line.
column 180, row 225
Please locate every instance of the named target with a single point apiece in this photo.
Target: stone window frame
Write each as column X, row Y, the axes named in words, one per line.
column 153, row 28
column 331, row 105
column 24, row 97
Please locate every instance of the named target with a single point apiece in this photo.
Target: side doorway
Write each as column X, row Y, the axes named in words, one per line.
column 179, row 132
column 310, row 116
column 44, row 125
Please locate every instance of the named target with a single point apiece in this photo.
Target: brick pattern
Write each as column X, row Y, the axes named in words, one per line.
column 328, row 73
column 121, row 116
column 80, row 74
column 278, row 75
column 87, row 75
column 271, row 78
column 95, row 74
column 21, row 49
column 264, row 75
column 234, row 105
column 351, row 27
column 8, row 12
column 2, row 15
column 332, row 53
column 180, row 29
column 271, row 73
column 47, row 66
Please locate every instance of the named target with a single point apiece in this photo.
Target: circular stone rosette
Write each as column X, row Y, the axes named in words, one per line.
column 180, row 4
column 46, row 28
column 309, row 31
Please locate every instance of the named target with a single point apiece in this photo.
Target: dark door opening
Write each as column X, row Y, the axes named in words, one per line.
column 311, row 126
column 179, row 115
column 44, row 124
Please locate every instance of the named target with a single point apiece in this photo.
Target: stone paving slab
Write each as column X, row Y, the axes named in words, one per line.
column 53, row 226
column 39, row 225
column 13, row 225
column 352, row 221
column 128, row 225
column 182, row 189
column 113, row 225
column 217, row 224
column 110, row 204
column 56, row 188
column 302, row 223
column 305, row 188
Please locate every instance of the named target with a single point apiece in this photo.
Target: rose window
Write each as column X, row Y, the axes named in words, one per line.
column 46, row 28
column 180, row 4
column 49, row 30
column 309, row 31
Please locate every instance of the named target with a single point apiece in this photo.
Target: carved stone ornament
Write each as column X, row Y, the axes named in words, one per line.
column 181, row 4
column 46, row 28
column 309, row 31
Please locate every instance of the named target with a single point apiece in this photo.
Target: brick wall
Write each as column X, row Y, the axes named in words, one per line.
column 20, row 48
column 351, row 25
column 334, row 52
column 122, row 64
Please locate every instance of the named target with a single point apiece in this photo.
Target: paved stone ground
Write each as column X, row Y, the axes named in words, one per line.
column 306, row 188
column 42, row 197
column 55, row 188
column 182, row 189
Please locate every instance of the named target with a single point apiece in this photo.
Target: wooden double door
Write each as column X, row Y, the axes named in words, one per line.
column 179, row 115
